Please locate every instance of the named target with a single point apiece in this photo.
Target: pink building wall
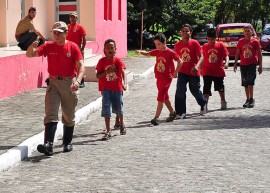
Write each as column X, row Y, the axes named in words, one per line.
column 20, row 74
column 113, row 29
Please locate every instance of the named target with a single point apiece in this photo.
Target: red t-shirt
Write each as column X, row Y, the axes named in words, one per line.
column 248, row 51
column 61, row 58
column 213, row 59
column 75, row 33
column 189, row 53
column 164, row 67
column 113, row 80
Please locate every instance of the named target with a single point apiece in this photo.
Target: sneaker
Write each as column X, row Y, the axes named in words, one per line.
column 181, row 116
column 171, row 117
column 82, row 85
column 203, row 109
column 251, row 103
column 155, row 121
column 47, row 148
column 106, row 136
column 246, row 103
column 123, row 130
column 223, row 105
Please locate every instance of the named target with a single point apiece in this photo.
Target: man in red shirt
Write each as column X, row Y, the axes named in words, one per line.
column 76, row 34
column 66, row 70
column 249, row 51
column 189, row 51
column 212, row 66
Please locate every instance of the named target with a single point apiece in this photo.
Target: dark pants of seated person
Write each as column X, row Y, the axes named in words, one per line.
column 26, row 39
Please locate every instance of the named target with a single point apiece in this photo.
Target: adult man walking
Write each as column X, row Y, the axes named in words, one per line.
column 66, row 70
column 26, row 33
column 77, row 33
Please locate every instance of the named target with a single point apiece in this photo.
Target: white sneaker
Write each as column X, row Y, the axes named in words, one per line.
column 223, row 105
column 203, row 109
column 182, row 116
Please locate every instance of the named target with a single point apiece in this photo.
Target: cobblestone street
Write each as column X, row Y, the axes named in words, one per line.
column 224, row 151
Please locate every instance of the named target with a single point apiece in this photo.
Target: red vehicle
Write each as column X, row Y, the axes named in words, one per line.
column 229, row 34
column 265, row 38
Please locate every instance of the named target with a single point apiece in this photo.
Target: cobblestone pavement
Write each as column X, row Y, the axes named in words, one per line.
column 224, row 151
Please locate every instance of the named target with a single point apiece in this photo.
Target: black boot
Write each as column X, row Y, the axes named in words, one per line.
column 67, row 138
column 47, row 147
column 82, row 85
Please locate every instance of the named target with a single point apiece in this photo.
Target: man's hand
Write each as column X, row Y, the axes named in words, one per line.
column 74, row 86
column 194, row 69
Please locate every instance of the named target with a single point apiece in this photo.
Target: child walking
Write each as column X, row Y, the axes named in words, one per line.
column 164, row 73
column 111, row 81
column 212, row 66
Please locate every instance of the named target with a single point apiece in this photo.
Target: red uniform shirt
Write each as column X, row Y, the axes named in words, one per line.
column 164, row 67
column 75, row 33
column 248, row 51
column 213, row 59
column 61, row 58
column 189, row 53
column 113, row 80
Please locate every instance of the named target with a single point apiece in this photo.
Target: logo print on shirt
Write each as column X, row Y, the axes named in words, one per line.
column 112, row 75
column 185, row 55
column 213, row 56
column 247, row 52
column 161, row 65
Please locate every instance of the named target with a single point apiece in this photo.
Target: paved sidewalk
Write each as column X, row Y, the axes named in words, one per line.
column 22, row 115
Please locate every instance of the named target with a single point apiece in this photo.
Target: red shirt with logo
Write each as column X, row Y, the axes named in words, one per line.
column 248, row 51
column 61, row 58
column 112, row 81
column 75, row 33
column 213, row 59
column 189, row 52
column 164, row 67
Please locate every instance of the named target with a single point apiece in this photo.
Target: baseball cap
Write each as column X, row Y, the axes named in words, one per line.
column 74, row 14
column 60, row 26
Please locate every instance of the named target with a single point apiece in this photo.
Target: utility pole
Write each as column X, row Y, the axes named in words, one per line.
column 142, row 6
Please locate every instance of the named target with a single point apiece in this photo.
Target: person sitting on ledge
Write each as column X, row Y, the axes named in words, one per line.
column 26, row 32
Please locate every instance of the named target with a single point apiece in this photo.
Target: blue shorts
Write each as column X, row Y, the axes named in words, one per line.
column 112, row 99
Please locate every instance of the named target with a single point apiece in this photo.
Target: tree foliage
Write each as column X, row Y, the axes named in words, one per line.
column 169, row 15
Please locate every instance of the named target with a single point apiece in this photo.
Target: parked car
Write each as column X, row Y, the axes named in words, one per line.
column 229, row 34
column 200, row 33
column 265, row 38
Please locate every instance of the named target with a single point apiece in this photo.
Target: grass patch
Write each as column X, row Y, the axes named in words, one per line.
column 131, row 53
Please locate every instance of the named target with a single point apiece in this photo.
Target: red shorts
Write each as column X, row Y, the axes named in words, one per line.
column 163, row 86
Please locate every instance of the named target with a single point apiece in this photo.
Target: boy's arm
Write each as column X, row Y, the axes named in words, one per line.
column 236, row 59
column 179, row 65
column 260, row 59
column 145, row 53
column 124, row 76
column 32, row 50
column 198, row 65
column 226, row 64
column 105, row 72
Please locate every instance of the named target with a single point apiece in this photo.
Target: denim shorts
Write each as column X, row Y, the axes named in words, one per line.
column 248, row 74
column 112, row 100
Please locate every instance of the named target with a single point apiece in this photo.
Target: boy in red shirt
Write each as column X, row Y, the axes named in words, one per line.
column 190, row 52
column 111, row 82
column 212, row 66
column 164, row 72
column 249, row 50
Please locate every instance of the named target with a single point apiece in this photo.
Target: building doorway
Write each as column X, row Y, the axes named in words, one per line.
column 64, row 8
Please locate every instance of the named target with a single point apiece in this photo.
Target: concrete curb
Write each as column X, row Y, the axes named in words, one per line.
column 27, row 147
